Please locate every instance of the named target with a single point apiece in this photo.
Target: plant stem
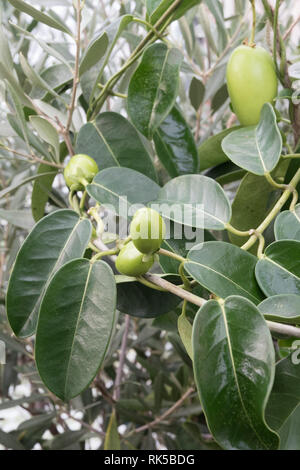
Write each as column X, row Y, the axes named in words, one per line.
column 252, row 38
column 31, row 158
column 186, row 282
column 278, row 206
column 164, row 252
column 237, row 232
column 146, row 283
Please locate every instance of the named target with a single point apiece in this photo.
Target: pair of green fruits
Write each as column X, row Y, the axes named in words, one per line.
column 147, row 230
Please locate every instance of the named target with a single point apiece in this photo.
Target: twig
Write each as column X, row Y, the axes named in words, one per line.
column 290, row 29
column 76, row 70
column 84, row 424
column 167, row 413
column 31, row 158
column 116, row 394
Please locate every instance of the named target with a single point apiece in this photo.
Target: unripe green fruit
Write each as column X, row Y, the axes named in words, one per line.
column 147, row 230
column 80, row 170
column 130, row 261
column 251, row 81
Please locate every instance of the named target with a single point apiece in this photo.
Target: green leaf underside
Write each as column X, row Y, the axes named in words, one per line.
column 153, row 88
column 224, row 269
column 111, row 141
column 287, row 225
column 75, row 326
column 55, row 240
column 256, row 149
column 121, row 188
column 284, row 308
column 279, row 271
column 195, row 200
column 282, row 411
column 234, row 369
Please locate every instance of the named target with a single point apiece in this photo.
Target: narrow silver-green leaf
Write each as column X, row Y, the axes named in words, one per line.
column 55, row 240
column 76, row 323
column 39, row 15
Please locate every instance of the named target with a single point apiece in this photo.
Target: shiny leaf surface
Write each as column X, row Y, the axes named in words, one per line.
column 234, row 365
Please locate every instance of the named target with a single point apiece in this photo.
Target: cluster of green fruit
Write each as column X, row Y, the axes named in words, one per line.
column 147, row 232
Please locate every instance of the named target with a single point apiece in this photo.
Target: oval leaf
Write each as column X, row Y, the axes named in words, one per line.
column 256, row 149
column 278, row 272
column 175, row 145
column 284, row 403
column 234, row 365
column 153, row 88
column 196, row 201
column 112, row 141
column 75, row 326
column 287, row 225
column 121, row 187
column 283, row 308
column 55, row 240
column 224, row 269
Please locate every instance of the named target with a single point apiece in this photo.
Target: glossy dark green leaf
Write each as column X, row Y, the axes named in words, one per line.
column 284, row 308
column 224, row 269
column 76, row 321
column 153, row 88
column 287, row 225
column 122, row 187
column 55, row 240
column 278, row 272
column 196, row 93
column 210, row 151
column 175, row 145
column 156, row 9
column 195, row 201
column 282, row 412
column 219, row 98
column 39, row 16
column 111, row 140
column 256, row 149
column 234, row 365
column 141, row 301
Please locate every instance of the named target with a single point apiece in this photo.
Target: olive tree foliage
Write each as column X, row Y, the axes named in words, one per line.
column 201, row 352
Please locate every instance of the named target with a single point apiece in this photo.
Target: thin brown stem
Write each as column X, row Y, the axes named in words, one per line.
column 166, row 414
column 31, row 158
